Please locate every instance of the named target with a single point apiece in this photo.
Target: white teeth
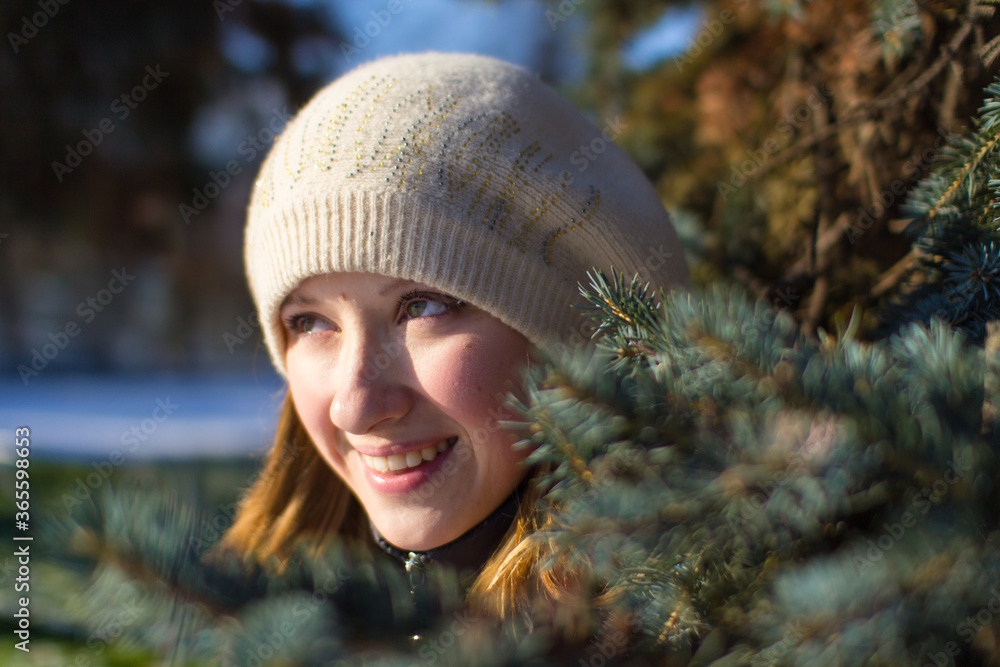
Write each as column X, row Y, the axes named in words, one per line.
column 405, row 461
column 377, row 462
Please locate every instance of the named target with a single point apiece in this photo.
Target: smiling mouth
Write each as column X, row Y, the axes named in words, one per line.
column 409, row 460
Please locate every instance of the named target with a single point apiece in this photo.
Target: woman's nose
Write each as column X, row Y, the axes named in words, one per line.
column 369, row 390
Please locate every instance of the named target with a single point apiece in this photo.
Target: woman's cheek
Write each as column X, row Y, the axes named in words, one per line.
column 308, row 396
column 453, row 379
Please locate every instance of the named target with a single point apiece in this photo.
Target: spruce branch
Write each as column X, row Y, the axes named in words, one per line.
column 739, row 491
column 954, row 263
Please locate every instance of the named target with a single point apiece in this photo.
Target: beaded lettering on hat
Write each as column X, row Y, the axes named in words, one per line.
column 448, row 169
column 586, row 213
column 470, row 162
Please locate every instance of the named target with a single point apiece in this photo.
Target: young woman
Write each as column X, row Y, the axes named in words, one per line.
column 417, row 230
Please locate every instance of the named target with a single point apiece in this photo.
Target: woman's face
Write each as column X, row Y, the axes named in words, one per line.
column 401, row 388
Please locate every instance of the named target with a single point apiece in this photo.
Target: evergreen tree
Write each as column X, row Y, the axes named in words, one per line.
column 735, row 490
column 792, row 131
column 954, row 265
column 739, row 491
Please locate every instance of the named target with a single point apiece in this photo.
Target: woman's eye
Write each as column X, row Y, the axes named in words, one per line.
column 422, row 307
column 421, row 304
column 307, row 324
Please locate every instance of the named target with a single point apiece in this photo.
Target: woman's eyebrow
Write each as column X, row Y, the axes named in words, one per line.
column 394, row 285
column 298, row 300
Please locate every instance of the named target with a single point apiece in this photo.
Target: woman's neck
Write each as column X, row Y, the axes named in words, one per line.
column 471, row 550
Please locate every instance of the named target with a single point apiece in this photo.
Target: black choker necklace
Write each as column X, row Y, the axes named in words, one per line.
column 467, row 552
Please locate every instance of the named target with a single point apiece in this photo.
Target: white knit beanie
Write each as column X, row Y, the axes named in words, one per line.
column 464, row 173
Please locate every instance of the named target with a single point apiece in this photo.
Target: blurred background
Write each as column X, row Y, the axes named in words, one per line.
column 134, row 133
column 781, row 134
column 777, row 133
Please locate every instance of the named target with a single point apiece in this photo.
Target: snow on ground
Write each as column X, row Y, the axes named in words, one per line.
column 135, row 418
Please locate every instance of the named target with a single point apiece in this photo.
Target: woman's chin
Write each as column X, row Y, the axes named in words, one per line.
column 413, row 533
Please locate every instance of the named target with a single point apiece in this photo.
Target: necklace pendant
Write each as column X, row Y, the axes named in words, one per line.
column 415, row 568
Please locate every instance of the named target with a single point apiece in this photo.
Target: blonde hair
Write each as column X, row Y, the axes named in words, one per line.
column 297, row 497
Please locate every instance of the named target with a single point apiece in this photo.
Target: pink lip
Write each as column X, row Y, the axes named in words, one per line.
column 399, row 448
column 408, row 481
